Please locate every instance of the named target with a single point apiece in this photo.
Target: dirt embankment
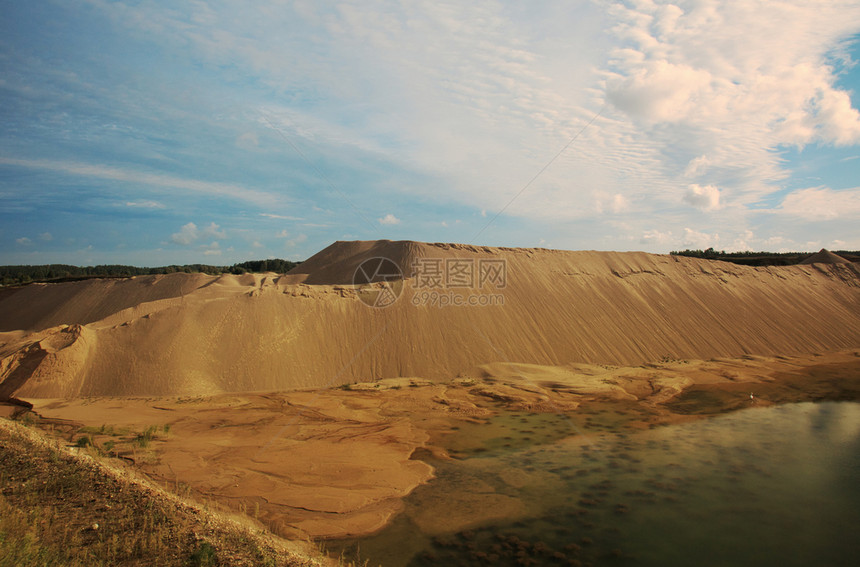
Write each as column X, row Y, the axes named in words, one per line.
column 62, row 506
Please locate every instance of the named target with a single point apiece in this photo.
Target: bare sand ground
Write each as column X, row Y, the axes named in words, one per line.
column 223, row 387
column 337, row 462
column 187, row 334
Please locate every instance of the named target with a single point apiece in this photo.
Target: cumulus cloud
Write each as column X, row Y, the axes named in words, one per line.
column 212, row 249
column 468, row 101
column 718, row 88
column 660, row 91
column 24, row 241
column 655, row 236
column 186, row 235
column 46, row 237
column 190, row 233
column 837, row 120
column 747, row 67
column 741, row 243
column 699, row 240
column 774, row 242
column 389, row 219
column 706, row 198
column 213, row 231
column 700, row 90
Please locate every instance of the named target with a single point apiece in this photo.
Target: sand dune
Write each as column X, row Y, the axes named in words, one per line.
column 196, row 334
column 825, row 256
column 38, row 306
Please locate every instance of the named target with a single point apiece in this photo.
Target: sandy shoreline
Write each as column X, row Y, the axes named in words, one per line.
column 336, row 463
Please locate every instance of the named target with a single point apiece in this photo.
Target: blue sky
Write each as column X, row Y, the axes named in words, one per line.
column 150, row 133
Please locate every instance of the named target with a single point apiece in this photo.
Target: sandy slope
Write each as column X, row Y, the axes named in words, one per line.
column 825, row 256
column 196, row 334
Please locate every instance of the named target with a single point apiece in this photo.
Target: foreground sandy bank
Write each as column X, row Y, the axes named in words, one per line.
column 336, row 463
column 68, row 506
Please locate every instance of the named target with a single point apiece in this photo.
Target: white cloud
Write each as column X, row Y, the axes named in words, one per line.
column 186, row 235
column 750, row 67
column 46, row 236
column 706, row 198
column 821, row 203
column 283, row 234
column 741, row 243
column 280, row 217
column 141, row 177
column 389, row 219
column 478, row 97
column 145, row 204
column 774, row 241
column 654, row 236
column 715, row 87
column 212, row 249
column 699, row 240
column 616, row 203
column 659, row 91
column 24, row 241
column 697, row 166
column 190, row 233
column 213, row 231
column 619, row 203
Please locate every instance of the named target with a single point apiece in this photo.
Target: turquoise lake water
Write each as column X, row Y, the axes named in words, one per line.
column 763, row 486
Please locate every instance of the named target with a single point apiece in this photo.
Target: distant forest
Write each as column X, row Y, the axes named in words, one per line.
column 16, row 275
column 761, row 258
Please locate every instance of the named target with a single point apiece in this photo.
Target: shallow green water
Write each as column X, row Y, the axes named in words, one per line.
column 764, row 486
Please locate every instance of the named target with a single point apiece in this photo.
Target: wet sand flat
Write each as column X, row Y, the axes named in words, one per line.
column 337, row 463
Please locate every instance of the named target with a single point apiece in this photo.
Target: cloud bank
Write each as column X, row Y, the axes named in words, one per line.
column 594, row 124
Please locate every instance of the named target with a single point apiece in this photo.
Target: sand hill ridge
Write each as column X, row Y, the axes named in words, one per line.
column 825, row 256
column 184, row 334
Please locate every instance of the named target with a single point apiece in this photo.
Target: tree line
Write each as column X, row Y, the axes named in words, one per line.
column 749, row 258
column 16, row 275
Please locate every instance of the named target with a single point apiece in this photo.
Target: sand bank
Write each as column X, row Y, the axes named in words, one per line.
column 337, row 462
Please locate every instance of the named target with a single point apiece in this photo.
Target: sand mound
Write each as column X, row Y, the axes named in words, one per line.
column 194, row 334
column 824, row 256
column 39, row 306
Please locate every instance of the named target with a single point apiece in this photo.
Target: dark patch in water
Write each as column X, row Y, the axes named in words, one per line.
column 766, row 486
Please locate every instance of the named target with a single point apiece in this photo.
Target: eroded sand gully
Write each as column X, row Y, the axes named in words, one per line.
column 337, row 462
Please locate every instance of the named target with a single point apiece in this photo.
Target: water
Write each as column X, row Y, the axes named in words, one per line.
column 763, row 486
